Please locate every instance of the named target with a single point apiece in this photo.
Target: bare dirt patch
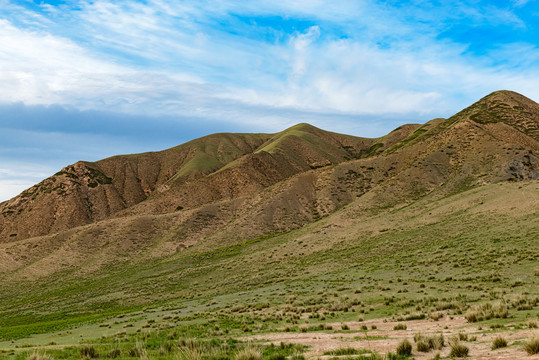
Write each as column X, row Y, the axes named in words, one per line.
column 384, row 339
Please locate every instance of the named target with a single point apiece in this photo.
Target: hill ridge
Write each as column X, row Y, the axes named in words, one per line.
column 413, row 159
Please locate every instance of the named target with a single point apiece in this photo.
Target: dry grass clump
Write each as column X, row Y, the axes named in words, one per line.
column 399, row 327
column 186, row 353
column 249, row 352
column 458, row 349
column 114, row 353
column 404, row 348
column 487, row 311
column 532, row 345
column 37, row 356
column 498, row 342
column 428, row 343
column 138, row 350
column 88, row 352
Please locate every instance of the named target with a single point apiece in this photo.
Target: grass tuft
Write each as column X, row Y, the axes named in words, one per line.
column 250, row 352
column 428, row 343
column 458, row 349
column 404, row 348
column 498, row 342
column 487, row 311
column 532, row 345
column 37, row 356
column 88, row 352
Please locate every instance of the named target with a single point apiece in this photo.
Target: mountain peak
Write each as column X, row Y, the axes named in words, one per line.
column 302, row 127
column 504, row 106
column 505, row 96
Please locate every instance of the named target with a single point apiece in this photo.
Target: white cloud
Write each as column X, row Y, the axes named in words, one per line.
column 11, row 188
column 174, row 58
column 14, row 178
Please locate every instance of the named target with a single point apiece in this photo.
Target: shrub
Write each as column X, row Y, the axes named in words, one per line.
column 404, row 348
column 532, row 345
column 532, row 324
column 399, row 327
column 345, row 327
column 498, row 342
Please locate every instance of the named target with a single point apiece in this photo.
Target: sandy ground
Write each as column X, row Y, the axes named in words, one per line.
column 388, row 339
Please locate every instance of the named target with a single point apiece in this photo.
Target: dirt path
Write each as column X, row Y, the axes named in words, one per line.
column 384, row 339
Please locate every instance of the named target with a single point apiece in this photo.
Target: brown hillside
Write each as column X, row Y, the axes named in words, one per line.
column 227, row 187
column 216, row 167
column 85, row 192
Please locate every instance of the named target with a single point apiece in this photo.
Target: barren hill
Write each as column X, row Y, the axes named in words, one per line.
column 230, row 187
column 209, row 169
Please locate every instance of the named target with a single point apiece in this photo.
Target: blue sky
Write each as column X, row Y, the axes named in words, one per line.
column 82, row 80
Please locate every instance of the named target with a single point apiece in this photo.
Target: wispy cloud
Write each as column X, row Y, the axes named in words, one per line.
column 258, row 65
column 14, row 178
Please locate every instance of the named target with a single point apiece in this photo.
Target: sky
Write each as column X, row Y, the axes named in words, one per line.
column 84, row 80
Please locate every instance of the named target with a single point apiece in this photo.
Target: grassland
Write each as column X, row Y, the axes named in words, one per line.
column 436, row 261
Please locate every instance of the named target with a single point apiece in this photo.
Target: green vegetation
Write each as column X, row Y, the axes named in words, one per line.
column 347, row 351
column 167, row 345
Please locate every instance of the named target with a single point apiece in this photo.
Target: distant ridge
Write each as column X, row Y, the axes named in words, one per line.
column 255, row 184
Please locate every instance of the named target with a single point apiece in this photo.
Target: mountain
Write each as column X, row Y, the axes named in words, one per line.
column 254, row 184
column 209, row 182
column 206, row 170
column 231, row 219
